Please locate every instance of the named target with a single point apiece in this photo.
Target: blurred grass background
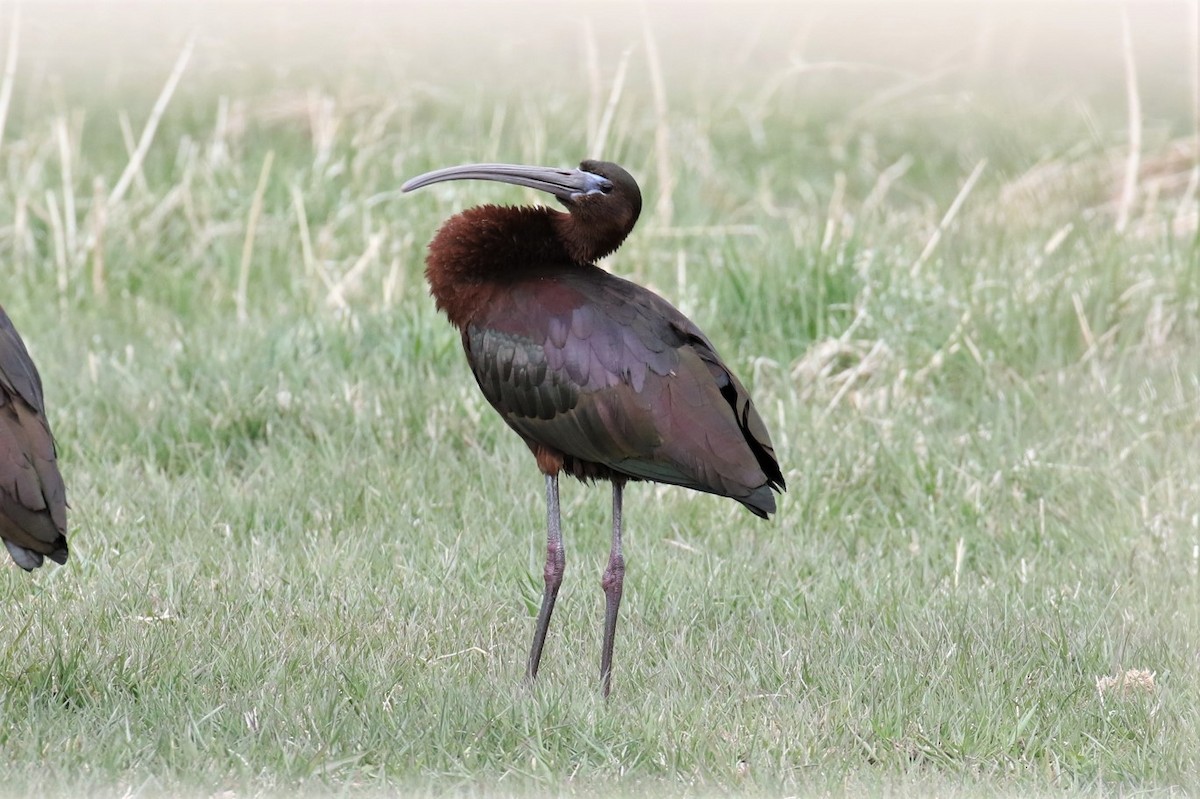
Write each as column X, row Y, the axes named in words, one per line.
column 306, row 557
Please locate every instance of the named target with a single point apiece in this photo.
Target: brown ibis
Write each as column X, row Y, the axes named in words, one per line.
column 602, row 378
column 33, row 500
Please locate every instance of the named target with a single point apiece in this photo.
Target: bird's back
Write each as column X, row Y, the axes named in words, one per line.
column 617, row 380
column 33, row 507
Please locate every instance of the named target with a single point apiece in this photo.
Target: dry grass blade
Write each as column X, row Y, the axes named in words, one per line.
column 63, row 137
column 337, row 294
column 134, row 166
column 1125, row 684
column 312, row 266
column 664, row 206
column 883, row 184
column 99, row 221
column 1188, row 209
column 10, row 69
column 836, row 214
column 60, row 242
column 251, row 229
column 591, row 61
column 596, row 147
column 951, row 212
column 1133, row 160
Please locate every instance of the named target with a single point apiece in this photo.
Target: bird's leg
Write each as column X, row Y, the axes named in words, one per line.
column 614, row 578
column 556, row 562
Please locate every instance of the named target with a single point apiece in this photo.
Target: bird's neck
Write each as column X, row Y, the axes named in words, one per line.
column 588, row 237
column 482, row 250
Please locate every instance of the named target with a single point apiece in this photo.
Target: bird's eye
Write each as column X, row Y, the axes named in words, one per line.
column 606, row 187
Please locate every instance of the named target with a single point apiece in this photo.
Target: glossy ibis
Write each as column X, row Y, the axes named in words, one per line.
column 601, row 378
column 33, row 501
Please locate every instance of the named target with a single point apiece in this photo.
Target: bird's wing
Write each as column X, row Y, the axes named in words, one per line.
column 608, row 372
column 18, row 376
column 33, row 505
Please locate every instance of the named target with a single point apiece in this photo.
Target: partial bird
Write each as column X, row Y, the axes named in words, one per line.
column 603, row 379
column 33, row 500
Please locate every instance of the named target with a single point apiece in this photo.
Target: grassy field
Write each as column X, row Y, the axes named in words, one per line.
column 306, row 556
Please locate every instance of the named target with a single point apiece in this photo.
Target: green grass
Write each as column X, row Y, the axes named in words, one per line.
column 306, row 556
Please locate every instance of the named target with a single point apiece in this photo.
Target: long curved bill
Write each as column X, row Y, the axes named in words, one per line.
column 565, row 184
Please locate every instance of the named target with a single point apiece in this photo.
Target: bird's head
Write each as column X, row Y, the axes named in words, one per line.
column 603, row 199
